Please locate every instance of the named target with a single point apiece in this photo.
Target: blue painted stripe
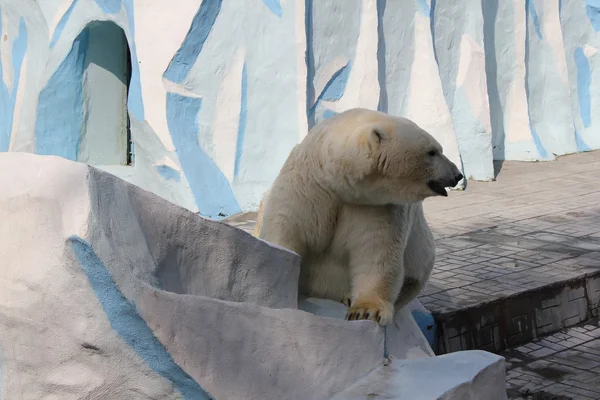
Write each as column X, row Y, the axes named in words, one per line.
column 592, row 9
column 428, row 326
column 534, row 18
column 18, row 54
column 560, row 5
column 6, row 108
column 274, row 6
column 327, row 113
column 209, row 186
column 135, row 103
column 192, row 45
column 581, row 145
column 60, row 27
column 424, row 7
column 168, row 173
column 60, row 105
column 538, row 142
column 239, row 146
column 584, row 81
column 310, row 63
column 334, row 89
column 132, row 328
column 109, row 6
column 381, row 58
column 8, row 99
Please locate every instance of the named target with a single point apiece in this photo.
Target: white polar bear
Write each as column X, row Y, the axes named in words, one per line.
column 348, row 200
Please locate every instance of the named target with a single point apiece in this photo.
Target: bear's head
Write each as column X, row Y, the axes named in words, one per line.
column 373, row 158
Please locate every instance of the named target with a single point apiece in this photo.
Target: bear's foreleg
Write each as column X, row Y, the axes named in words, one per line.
column 375, row 287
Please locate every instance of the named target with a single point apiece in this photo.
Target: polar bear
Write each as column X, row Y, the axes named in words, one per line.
column 348, row 200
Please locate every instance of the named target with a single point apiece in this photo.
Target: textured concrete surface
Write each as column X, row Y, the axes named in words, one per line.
column 472, row 375
column 110, row 291
column 562, row 366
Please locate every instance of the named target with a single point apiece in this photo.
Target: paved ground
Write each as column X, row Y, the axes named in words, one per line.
column 499, row 238
column 562, row 366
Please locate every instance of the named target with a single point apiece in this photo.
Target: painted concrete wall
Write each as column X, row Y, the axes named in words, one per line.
column 214, row 94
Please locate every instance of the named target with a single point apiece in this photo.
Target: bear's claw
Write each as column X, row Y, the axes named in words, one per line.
column 382, row 314
column 347, row 301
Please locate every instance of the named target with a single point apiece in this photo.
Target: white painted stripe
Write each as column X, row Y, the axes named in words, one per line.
column 227, row 114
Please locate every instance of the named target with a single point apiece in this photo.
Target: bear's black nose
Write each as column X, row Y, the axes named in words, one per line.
column 457, row 179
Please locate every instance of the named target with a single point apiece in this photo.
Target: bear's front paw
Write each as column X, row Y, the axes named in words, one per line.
column 376, row 310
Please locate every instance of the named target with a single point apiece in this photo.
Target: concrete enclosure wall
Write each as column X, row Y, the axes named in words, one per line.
column 201, row 101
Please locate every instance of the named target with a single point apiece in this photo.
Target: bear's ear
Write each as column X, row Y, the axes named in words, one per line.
column 378, row 135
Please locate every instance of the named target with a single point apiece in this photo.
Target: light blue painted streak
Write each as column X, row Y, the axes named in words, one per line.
column 334, row 89
column 423, row 7
column 534, row 18
column 581, row 145
column 538, row 142
column 239, row 146
column 8, row 99
column 132, row 328
column 192, row 45
column 327, row 113
column 584, row 81
column 6, row 107
column 381, row 58
column 274, row 6
column 592, row 9
column 536, row 138
column 209, row 186
column 135, row 103
column 168, row 173
column 60, row 27
column 60, row 105
column 109, row 6
column 428, row 326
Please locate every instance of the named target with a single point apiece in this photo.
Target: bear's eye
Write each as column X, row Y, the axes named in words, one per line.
column 432, row 153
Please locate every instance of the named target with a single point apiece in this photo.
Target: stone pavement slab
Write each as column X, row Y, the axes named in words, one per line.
column 563, row 366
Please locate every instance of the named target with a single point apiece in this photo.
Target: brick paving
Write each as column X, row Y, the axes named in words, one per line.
column 563, row 366
column 536, row 224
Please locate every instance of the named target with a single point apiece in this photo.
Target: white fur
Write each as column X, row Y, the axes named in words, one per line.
column 348, row 200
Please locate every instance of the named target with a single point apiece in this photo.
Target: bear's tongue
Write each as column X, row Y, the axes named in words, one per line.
column 437, row 188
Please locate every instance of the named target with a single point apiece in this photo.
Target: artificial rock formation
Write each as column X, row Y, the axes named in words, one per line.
column 109, row 291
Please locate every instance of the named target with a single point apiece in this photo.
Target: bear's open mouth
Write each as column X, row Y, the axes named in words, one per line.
column 438, row 188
